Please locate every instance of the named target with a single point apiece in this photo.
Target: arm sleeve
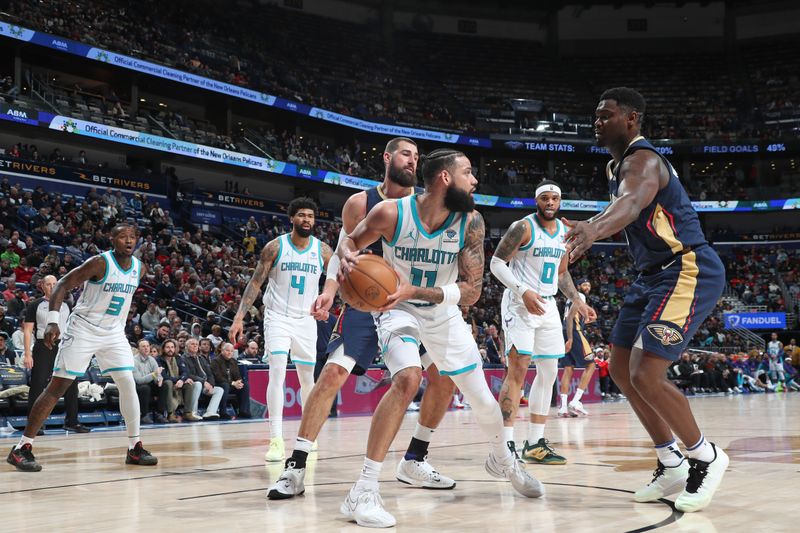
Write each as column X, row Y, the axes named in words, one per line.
column 504, row 274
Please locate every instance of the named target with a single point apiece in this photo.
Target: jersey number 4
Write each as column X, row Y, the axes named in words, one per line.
column 299, row 283
column 417, row 275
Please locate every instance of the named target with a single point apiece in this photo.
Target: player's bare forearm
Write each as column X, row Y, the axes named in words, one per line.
column 567, row 286
column 27, row 336
column 433, row 294
column 253, row 289
column 512, row 240
column 571, row 321
column 471, row 261
column 616, row 217
column 330, row 287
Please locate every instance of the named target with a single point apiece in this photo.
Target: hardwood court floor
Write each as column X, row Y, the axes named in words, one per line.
column 212, row 477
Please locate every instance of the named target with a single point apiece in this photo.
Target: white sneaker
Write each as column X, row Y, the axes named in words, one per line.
column 520, row 479
column 314, row 446
column 422, row 474
column 289, row 485
column 666, row 481
column 576, row 408
column 276, row 451
column 413, row 406
column 704, row 479
column 365, row 506
column 563, row 412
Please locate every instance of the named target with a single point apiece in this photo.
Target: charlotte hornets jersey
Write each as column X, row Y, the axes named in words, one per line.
column 294, row 278
column 105, row 303
column 666, row 227
column 536, row 264
column 774, row 349
column 425, row 259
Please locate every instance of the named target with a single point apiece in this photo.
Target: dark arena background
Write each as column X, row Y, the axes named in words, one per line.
column 198, row 122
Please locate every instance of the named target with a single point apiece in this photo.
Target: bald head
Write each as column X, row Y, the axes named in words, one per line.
column 48, row 284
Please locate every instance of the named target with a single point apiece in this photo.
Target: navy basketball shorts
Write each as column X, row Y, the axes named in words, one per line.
column 356, row 330
column 663, row 310
column 575, row 357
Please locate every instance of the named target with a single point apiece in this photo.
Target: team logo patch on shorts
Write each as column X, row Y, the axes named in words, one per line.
column 667, row 335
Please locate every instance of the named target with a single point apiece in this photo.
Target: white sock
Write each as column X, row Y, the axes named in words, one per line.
column 275, row 395
column 369, row 475
column 508, row 433
column 702, row 450
column 563, row 401
column 423, row 433
column 303, row 445
column 23, row 441
column 669, row 454
column 128, row 403
column 578, row 394
column 535, row 432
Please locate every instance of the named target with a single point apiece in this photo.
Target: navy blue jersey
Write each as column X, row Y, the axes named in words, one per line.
column 374, row 197
column 666, row 227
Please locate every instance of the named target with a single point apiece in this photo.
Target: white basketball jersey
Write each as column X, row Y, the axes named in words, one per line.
column 294, row 278
column 774, row 348
column 105, row 303
column 536, row 264
column 425, row 259
column 568, row 306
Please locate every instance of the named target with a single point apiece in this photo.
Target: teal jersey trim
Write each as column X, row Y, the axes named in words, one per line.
column 105, row 274
column 520, row 352
column 549, row 356
column 130, row 269
column 551, row 235
column 279, row 352
column 533, row 235
column 116, row 369
column 462, row 231
column 308, row 363
column 410, row 339
column 307, row 248
column 70, row 372
column 399, row 225
column 418, row 222
column 473, row 366
column 319, row 251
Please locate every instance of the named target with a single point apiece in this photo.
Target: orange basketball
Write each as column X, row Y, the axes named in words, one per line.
column 369, row 283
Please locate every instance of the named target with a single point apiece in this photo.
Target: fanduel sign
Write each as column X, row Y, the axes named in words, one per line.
column 755, row 320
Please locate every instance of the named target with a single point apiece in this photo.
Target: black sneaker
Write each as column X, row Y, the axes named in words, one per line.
column 161, row 419
column 139, row 456
column 77, row 428
column 22, row 458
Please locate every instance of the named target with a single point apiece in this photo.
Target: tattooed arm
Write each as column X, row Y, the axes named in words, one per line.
column 567, row 287
column 253, row 289
column 519, row 234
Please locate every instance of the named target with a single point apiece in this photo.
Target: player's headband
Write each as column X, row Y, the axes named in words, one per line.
column 549, row 187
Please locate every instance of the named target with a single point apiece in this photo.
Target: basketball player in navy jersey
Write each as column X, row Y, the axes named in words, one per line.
column 96, row 327
column 681, row 278
column 354, row 346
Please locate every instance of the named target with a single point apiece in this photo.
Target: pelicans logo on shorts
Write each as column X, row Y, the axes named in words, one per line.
column 667, row 335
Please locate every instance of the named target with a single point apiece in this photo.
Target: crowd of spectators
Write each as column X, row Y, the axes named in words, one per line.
column 301, row 57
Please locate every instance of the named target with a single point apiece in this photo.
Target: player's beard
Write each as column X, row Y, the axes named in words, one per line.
column 303, row 232
column 542, row 214
column 458, row 200
column 401, row 176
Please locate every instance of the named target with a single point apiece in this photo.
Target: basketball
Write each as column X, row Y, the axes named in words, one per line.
column 370, row 282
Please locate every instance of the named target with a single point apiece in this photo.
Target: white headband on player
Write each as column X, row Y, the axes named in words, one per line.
column 549, row 187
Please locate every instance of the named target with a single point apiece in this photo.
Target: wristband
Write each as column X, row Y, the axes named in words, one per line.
column 333, row 267
column 53, row 317
column 452, row 294
column 520, row 290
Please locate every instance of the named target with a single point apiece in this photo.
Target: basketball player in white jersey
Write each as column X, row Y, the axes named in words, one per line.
column 354, row 346
column 435, row 243
column 96, row 327
column 531, row 261
column 293, row 264
column 776, row 356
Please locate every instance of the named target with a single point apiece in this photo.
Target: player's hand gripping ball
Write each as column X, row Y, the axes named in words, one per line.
column 369, row 283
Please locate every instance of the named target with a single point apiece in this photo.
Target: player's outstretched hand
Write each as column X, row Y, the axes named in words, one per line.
column 405, row 291
column 321, row 306
column 579, row 238
column 587, row 312
column 237, row 328
column 534, row 303
column 51, row 335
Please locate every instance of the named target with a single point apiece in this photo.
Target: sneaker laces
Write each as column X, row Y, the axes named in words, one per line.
column 658, row 472
column 697, row 474
column 547, row 446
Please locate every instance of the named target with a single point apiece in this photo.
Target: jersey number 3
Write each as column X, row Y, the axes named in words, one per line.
column 115, row 307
